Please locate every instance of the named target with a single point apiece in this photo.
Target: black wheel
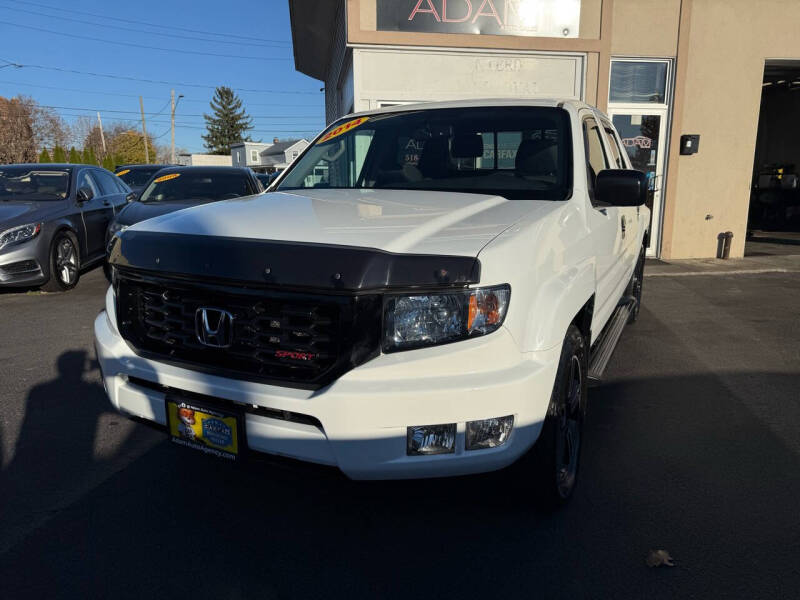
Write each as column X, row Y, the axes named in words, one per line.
column 555, row 457
column 635, row 287
column 65, row 263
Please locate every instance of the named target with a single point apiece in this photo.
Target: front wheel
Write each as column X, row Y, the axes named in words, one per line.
column 65, row 263
column 554, row 460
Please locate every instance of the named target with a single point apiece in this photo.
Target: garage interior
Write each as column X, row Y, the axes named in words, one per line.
column 774, row 217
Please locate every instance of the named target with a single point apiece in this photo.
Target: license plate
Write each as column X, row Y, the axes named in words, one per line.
column 201, row 427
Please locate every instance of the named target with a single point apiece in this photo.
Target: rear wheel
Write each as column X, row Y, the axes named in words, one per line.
column 555, row 458
column 65, row 263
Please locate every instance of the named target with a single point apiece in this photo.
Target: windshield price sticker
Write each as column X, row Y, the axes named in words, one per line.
column 123, row 172
column 166, row 177
column 343, row 128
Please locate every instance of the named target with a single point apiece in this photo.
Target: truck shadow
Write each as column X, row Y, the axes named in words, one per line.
column 670, row 462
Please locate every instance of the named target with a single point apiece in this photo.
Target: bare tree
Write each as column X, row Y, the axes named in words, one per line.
column 17, row 141
column 49, row 129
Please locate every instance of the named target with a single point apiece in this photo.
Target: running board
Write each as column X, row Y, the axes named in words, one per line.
column 604, row 349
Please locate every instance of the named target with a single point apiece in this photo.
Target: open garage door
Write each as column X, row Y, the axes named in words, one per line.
column 774, row 218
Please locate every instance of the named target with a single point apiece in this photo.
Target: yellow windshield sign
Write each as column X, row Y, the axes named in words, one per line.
column 343, row 128
column 123, row 172
column 166, row 177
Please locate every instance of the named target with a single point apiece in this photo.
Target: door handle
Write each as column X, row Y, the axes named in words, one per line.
column 106, row 203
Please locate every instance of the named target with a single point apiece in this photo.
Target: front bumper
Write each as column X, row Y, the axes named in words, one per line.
column 364, row 414
column 25, row 263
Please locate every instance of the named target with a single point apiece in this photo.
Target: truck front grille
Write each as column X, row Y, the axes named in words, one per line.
column 296, row 339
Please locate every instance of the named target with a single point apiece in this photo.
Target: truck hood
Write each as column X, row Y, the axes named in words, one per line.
column 397, row 221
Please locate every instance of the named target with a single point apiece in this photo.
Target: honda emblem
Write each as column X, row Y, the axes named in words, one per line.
column 214, row 327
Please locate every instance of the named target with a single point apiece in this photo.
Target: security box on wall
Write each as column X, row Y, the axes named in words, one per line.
column 690, row 144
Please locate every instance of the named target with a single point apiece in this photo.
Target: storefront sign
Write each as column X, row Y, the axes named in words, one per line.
column 548, row 18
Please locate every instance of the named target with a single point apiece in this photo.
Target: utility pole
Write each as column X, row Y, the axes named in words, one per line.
column 102, row 136
column 144, row 132
column 174, row 106
column 172, row 120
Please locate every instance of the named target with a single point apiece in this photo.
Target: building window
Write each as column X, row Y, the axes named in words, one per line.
column 294, row 154
column 638, row 82
column 254, row 156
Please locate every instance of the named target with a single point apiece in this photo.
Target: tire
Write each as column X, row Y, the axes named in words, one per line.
column 65, row 263
column 554, row 460
column 634, row 288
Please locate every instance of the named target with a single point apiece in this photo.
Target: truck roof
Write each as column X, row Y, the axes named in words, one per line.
column 476, row 103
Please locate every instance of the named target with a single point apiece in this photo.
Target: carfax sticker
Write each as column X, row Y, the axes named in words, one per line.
column 343, row 128
column 166, row 177
column 123, row 172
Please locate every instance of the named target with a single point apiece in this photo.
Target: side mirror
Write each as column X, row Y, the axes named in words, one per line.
column 621, row 187
column 85, row 194
column 131, row 197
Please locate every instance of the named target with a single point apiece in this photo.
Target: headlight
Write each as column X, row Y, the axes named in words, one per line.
column 427, row 319
column 115, row 228
column 19, row 234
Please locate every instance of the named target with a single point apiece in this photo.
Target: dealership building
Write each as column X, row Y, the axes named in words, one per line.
column 705, row 93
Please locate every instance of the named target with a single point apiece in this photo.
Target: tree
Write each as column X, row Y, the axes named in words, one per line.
column 108, row 162
column 17, row 141
column 228, row 125
column 127, row 146
column 49, row 129
column 44, row 156
column 89, row 157
column 59, row 155
column 74, row 156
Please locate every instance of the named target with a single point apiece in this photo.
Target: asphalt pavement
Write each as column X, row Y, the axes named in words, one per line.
column 692, row 446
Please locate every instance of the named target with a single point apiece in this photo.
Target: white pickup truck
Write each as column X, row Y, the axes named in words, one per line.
column 425, row 292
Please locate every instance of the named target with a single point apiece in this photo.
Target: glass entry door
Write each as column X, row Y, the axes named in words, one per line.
column 643, row 133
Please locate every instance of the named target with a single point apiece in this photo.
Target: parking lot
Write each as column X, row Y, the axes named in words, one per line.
column 692, row 447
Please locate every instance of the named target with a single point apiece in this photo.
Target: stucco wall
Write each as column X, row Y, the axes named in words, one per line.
column 728, row 45
column 645, row 28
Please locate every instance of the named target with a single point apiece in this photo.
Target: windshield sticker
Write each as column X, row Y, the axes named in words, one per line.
column 343, row 128
column 166, row 177
column 123, row 172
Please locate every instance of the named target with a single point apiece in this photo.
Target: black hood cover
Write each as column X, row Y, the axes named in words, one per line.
column 271, row 263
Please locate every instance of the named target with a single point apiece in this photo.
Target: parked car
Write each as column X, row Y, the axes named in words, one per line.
column 266, row 179
column 53, row 220
column 137, row 176
column 175, row 188
column 426, row 293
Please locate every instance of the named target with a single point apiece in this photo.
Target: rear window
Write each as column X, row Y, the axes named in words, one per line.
column 515, row 152
column 199, row 186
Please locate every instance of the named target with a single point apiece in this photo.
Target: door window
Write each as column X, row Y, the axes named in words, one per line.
column 85, row 180
column 640, row 135
column 613, row 144
column 596, row 160
column 107, row 182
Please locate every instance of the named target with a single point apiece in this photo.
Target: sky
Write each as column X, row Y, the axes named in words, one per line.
column 176, row 44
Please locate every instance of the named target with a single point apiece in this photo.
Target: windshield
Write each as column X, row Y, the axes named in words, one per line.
column 26, row 183
column 137, row 176
column 515, row 152
column 201, row 187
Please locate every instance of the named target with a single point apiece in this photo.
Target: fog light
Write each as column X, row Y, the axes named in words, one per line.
column 431, row 439
column 489, row 433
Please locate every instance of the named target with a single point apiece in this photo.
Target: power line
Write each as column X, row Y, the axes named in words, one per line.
column 132, row 45
column 161, row 82
column 136, row 112
column 70, row 10
column 168, row 35
column 97, row 92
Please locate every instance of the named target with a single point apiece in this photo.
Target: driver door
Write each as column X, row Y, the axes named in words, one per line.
column 96, row 214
